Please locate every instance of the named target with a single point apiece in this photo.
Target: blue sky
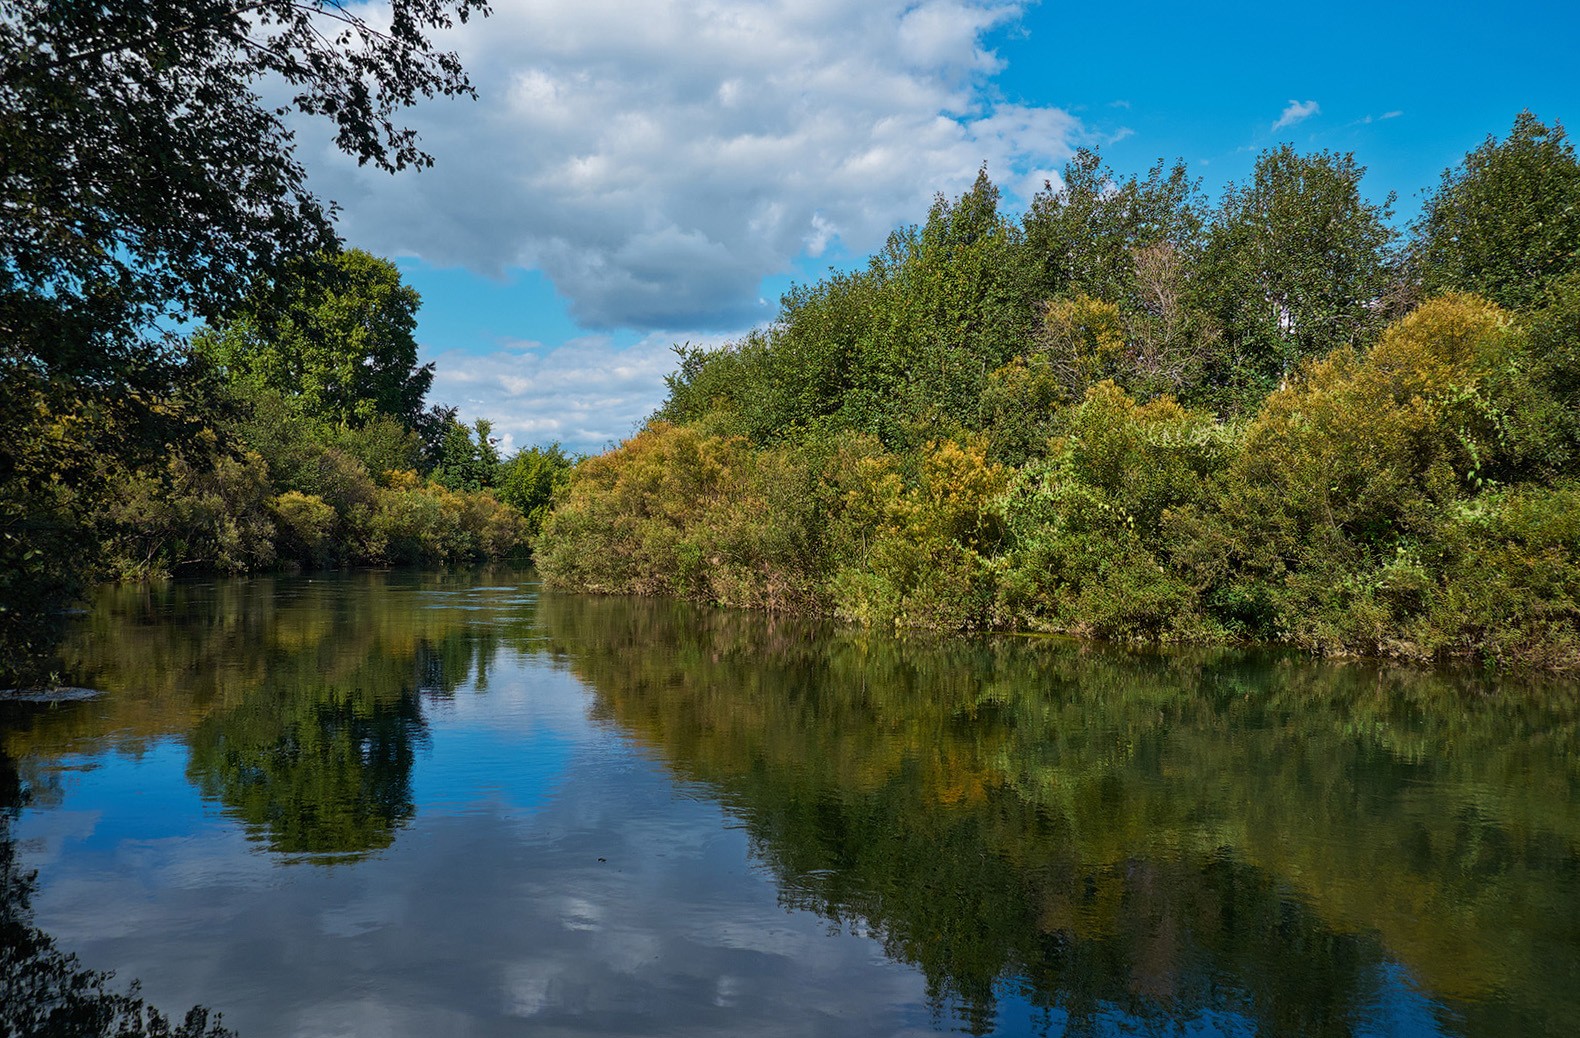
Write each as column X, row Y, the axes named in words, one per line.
column 635, row 175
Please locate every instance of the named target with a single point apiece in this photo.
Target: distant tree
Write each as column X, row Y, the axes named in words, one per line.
column 530, row 479
column 1298, row 263
column 963, row 305
column 1083, row 235
column 336, row 335
column 1506, row 221
column 468, row 456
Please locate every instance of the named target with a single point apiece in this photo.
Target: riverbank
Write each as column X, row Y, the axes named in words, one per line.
column 1132, row 415
column 1397, row 504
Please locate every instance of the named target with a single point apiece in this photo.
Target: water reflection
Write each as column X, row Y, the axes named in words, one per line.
column 1057, row 839
column 1163, row 835
column 320, row 771
column 45, row 991
column 300, row 700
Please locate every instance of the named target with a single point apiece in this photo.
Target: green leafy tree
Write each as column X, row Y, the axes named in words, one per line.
column 336, row 335
column 1555, row 365
column 140, row 173
column 965, row 301
column 894, row 350
column 531, row 479
column 1298, row 263
column 468, row 456
column 1132, row 244
column 1082, row 236
column 1506, row 221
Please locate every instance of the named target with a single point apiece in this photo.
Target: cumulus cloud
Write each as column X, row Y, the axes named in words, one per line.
column 657, row 161
column 1296, row 111
column 587, row 393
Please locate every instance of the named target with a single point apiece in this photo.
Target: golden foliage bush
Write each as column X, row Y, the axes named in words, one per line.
column 675, row 510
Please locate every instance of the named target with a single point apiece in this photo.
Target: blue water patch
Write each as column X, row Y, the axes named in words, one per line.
column 133, row 796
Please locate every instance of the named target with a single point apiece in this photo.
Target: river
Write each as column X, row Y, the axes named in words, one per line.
column 396, row 804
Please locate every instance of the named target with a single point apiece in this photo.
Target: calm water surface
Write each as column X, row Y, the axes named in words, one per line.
column 396, row 805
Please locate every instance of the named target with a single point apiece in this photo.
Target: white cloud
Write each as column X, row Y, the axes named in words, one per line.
column 586, row 393
column 657, row 161
column 1367, row 120
column 1296, row 111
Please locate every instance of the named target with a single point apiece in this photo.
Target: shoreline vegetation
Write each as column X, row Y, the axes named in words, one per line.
column 1134, row 416
column 1127, row 414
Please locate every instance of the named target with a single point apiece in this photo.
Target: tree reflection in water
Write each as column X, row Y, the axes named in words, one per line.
column 300, row 701
column 1096, row 838
column 1169, row 836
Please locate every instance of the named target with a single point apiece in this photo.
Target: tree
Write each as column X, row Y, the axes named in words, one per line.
column 1083, row 235
column 141, row 175
column 336, row 334
column 1130, row 246
column 964, row 303
column 530, row 480
column 465, row 463
column 143, row 180
column 1298, row 263
column 1506, row 221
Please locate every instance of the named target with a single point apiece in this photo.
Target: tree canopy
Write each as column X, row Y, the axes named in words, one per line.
column 1298, row 261
column 336, row 334
column 145, row 181
column 1505, row 222
column 141, row 173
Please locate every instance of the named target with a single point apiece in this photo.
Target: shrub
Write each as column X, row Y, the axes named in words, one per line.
column 414, row 522
column 675, row 510
column 305, row 524
column 208, row 510
column 1020, row 404
column 1317, row 534
column 1509, row 590
column 1084, row 523
column 926, row 545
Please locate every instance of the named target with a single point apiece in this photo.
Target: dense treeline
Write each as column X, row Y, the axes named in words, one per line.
column 311, row 445
column 302, row 440
column 294, row 434
column 1135, row 415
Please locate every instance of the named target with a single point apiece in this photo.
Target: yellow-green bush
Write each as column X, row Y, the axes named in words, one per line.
column 1084, row 553
column 415, row 522
column 1509, row 584
column 918, row 552
column 208, row 511
column 305, row 524
column 1020, row 402
column 1319, row 534
column 675, row 510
